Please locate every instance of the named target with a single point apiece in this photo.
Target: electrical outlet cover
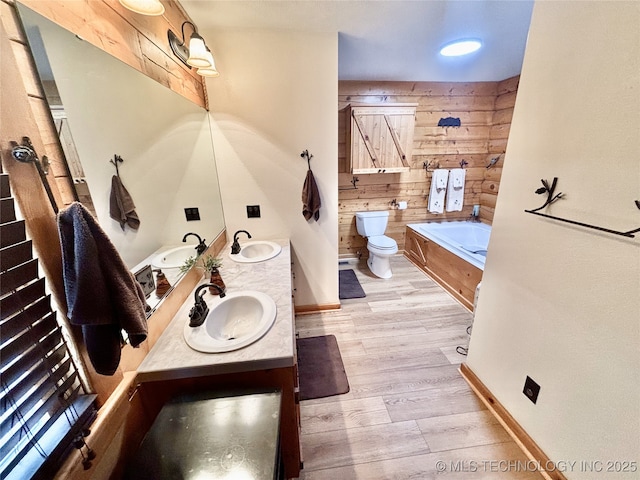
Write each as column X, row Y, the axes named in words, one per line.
column 531, row 389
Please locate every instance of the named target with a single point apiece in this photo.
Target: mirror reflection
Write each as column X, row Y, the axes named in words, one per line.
column 104, row 111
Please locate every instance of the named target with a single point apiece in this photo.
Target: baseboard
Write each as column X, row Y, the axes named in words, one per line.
column 513, row 428
column 309, row 309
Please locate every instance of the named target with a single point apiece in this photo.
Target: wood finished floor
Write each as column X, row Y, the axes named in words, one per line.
column 408, row 407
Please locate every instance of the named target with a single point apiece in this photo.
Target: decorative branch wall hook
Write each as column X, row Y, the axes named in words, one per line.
column 308, row 156
column 355, row 180
column 549, row 190
column 116, row 160
column 463, row 163
column 428, row 166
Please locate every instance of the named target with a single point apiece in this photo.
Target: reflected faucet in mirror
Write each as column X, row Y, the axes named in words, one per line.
column 201, row 247
column 235, row 247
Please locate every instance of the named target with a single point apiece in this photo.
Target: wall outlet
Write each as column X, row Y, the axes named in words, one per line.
column 192, row 214
column 253, row 211
column 531, row 389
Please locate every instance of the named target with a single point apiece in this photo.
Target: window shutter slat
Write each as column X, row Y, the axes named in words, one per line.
column 11, row 233
column 16, row 277
column 21, row 298
column 46, row 333
column 15, row 255
column 13, row 326
column 7, row 210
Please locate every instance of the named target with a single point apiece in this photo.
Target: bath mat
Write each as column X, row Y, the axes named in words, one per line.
column 320, row 368
column 349, row 286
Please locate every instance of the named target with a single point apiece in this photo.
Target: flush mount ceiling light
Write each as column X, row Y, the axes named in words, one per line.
column 458, row 48
column 196, row 55
column 144, row 7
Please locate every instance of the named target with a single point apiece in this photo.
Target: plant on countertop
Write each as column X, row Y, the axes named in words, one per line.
column 211, row 263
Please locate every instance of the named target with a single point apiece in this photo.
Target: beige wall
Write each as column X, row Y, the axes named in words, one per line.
column 562, row 303
column 277, row 96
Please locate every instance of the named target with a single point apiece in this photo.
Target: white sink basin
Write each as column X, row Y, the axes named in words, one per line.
column 256, row 251
column 233, row 322
column 174, row 257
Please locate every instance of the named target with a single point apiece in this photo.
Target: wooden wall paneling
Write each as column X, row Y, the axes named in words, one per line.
column 485, row 110
column 139, row 42
column 501, row 124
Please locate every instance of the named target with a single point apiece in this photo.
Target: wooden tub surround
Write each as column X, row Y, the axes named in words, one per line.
column 454, row 274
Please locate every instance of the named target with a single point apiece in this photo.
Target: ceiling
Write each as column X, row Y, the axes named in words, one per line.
column 391, row 39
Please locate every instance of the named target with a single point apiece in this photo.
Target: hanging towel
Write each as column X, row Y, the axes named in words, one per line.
column 102, row 294
column 121, row 206
column 455, row 190
column 310, row 198
column 438, row 190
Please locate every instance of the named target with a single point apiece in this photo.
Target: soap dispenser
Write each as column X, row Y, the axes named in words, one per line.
column 162, row 283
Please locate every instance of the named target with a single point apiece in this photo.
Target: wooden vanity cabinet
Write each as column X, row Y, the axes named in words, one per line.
column 380, row 137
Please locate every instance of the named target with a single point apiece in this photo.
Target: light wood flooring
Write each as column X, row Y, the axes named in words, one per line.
column 408, row 407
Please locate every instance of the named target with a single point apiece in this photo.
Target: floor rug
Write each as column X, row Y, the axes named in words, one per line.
column 348, row 285
column 320, row 368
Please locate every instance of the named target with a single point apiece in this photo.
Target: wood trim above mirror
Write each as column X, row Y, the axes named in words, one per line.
column 138, row 41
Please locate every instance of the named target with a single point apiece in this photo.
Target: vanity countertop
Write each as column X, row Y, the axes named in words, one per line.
column 172, row 358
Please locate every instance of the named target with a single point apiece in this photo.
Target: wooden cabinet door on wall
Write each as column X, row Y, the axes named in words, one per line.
column 380, row 137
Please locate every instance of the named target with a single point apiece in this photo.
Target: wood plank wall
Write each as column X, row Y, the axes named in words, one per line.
column 505, row 101
column 484, row 109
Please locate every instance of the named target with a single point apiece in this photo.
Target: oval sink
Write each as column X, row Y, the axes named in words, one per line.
column 233, row 322
column 256, row 251
column 174, row 257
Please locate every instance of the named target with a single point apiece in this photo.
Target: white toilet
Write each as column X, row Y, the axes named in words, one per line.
column 381, row 247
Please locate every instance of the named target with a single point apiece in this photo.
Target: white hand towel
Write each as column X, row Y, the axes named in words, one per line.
column 438, row 190
column 455, row 190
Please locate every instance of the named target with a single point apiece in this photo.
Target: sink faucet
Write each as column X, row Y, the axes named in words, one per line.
column 201, row 245
column 235, row 248
column 198, row 312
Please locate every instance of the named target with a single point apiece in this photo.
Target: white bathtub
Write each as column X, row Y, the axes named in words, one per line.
column 467, row 240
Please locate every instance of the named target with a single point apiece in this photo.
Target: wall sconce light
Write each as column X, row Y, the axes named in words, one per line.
column 144, row 7
column 197, row 54
column 209, row 71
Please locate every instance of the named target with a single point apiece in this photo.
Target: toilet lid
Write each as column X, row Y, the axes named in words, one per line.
column 383, row 242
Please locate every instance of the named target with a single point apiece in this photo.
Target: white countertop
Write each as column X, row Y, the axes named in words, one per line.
column 172, row 358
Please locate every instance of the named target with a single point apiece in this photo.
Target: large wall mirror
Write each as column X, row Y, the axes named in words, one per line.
column 106, row 108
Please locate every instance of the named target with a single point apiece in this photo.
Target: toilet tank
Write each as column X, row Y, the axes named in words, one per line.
column 371, row 224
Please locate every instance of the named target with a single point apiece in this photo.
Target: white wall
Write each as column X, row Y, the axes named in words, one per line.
column 277, row 95
column 562, row 303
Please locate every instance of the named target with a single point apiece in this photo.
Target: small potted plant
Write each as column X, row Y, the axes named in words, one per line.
column 212, row 265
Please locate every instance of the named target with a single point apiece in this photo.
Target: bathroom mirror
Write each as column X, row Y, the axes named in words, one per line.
column 164, row 140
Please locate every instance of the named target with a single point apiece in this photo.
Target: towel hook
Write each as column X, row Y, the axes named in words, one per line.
column 117, row 159
column 463, row 163
column 305, row 153
column 427, row 166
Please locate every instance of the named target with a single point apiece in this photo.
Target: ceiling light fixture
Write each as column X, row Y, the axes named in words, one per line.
column 460, row 47
column 197, row 54
column 144, row 7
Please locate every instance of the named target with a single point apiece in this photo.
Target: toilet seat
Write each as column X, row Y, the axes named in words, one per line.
column 382, row 244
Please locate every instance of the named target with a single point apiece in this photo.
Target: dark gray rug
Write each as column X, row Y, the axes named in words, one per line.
column 320, row 368
column 349, row 286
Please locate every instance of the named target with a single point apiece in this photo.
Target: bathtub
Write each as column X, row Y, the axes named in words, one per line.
column 452, row 253
column 467, row 240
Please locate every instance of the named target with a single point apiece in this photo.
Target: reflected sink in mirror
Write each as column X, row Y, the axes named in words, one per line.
column 256, row 251
column 233, row 322
column 174, row 257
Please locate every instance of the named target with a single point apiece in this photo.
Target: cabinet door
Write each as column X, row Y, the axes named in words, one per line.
column 381, row 138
